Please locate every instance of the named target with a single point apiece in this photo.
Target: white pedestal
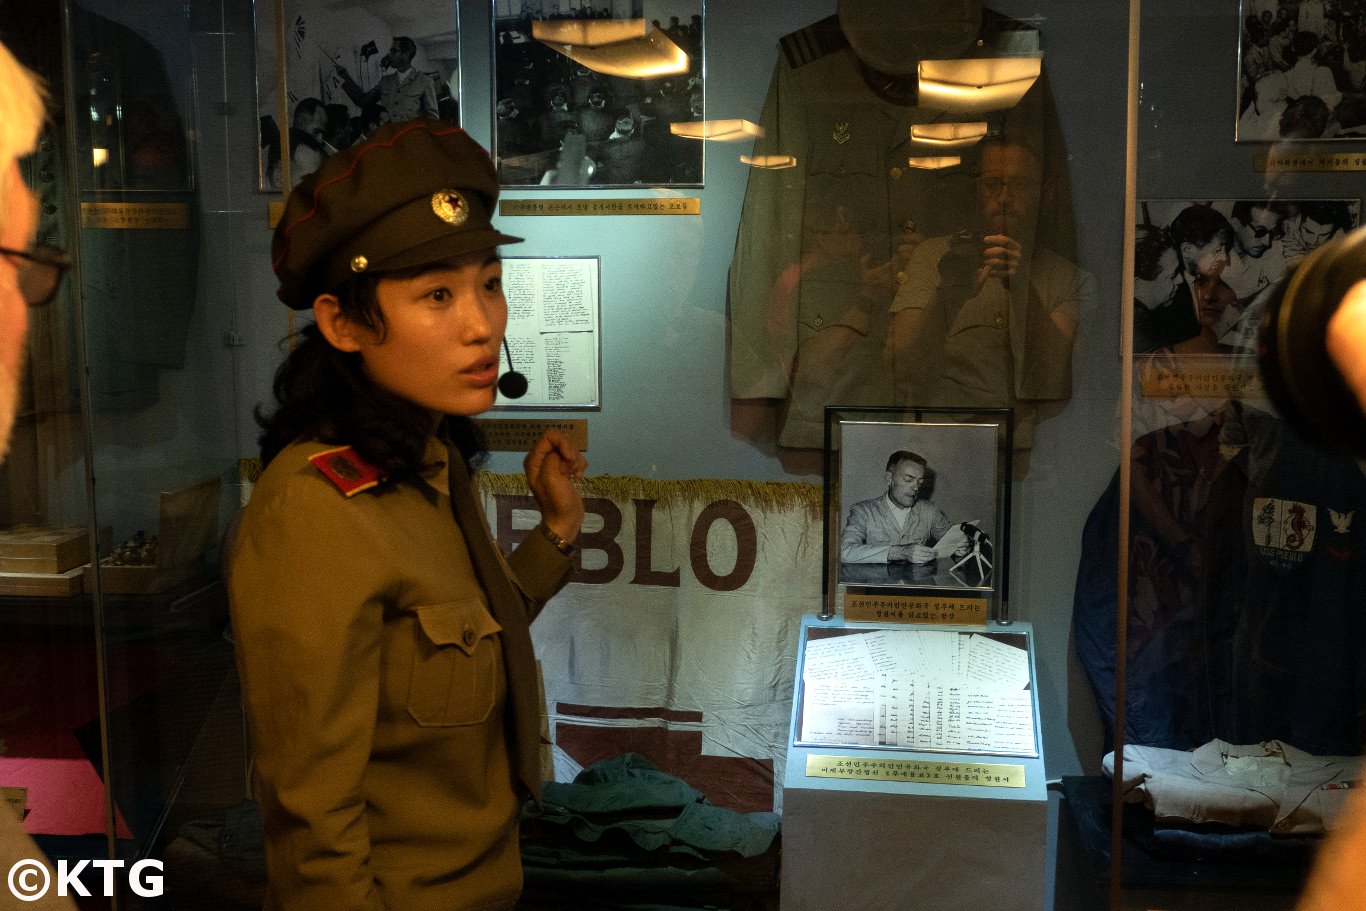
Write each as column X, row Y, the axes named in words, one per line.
column 881, row 845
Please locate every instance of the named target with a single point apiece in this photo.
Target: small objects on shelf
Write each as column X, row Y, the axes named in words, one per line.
column 136, row 551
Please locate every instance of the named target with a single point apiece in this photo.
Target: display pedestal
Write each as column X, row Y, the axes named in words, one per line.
column 866, row 843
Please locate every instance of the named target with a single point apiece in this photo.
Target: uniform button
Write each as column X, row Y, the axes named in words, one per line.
column 469, row 637
column 842, row 170
column 45, row 145
column 49, row 208
column 901, row 278
column 46, row 176
column 896, row 172
column 818, row 322
column 1000, row 322
column 908, row 225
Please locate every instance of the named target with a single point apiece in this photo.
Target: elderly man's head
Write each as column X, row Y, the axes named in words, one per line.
column 906, row 475
column 21, row 120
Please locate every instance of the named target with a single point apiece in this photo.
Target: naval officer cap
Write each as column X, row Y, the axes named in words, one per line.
column 412, row 193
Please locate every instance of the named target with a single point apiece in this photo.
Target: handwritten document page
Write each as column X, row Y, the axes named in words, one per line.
column 552, row 330
column 918, row 689
column 835, row 711
column 995, row 663
column 837, row 691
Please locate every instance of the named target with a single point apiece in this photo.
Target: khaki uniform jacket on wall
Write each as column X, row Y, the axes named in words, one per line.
column 390, row 685
column 808, row 294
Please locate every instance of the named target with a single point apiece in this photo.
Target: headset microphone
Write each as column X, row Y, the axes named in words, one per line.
column 512, row 385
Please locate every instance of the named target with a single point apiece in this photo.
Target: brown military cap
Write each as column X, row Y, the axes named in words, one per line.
column 412, row 193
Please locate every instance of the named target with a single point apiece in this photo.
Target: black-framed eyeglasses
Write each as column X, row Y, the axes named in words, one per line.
column 40, row 272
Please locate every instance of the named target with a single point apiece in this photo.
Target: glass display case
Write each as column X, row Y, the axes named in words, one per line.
column 121, row 722
column 925, row 206
column 1234, row 588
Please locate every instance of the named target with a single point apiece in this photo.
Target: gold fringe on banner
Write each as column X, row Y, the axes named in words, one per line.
column 765, row 496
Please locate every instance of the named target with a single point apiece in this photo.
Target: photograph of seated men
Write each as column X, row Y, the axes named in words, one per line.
column 899, row 526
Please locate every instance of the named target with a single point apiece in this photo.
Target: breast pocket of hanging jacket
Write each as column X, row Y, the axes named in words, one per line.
column 457, row 664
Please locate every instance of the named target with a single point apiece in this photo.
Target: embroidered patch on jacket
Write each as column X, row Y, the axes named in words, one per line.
column 344, row 467
column 1283, row 530
column 1341, row 544
column 1342, row 521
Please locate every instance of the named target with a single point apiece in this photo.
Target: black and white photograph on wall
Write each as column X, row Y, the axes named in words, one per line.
column 586, row 95
column 917, row 497
column 348, row 67
column 1204, row 269
column 1302, row 70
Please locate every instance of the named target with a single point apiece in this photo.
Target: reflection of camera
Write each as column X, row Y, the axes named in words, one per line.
column 959, row 264
column 1299, row 375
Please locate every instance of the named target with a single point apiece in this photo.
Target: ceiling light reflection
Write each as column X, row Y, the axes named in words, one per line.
column 949, row 135
column 716, row 130
column 976, row 85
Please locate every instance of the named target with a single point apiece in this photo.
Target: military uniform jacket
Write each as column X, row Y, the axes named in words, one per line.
column 808, row 311
column 950, row 347
column 390, row 685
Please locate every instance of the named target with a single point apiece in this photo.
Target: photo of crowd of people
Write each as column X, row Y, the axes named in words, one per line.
column 1203, row 271
column 559, row 123
column 347, row 71
column 1302, row 70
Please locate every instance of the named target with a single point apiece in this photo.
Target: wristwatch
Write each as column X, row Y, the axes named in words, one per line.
column 561, row 544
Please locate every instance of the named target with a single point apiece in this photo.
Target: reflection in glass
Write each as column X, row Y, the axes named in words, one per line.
column 649, row 57
column 587, row 32
column 719, row 130
column 769, row 162
column 934, row 162
column 949, row 135
column 976, row 85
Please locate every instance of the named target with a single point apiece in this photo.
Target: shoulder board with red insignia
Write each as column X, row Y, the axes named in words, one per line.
column 344, row 467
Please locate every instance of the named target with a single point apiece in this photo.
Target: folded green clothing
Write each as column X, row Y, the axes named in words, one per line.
column 630, row 795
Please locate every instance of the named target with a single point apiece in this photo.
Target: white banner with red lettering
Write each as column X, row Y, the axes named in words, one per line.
column 678, row 640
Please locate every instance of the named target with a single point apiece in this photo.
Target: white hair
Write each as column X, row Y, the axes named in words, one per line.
column 23, row 108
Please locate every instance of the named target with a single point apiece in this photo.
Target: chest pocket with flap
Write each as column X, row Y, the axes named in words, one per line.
column 457, row 666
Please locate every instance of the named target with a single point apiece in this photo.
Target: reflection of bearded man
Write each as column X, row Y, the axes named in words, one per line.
column 986, row 317
column 1008, row 191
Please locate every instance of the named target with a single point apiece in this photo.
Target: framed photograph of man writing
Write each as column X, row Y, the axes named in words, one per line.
column 329, row 72
column 589, row 94
column 917, row 500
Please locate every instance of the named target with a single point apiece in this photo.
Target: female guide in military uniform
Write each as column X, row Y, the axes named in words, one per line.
column 383, row 640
